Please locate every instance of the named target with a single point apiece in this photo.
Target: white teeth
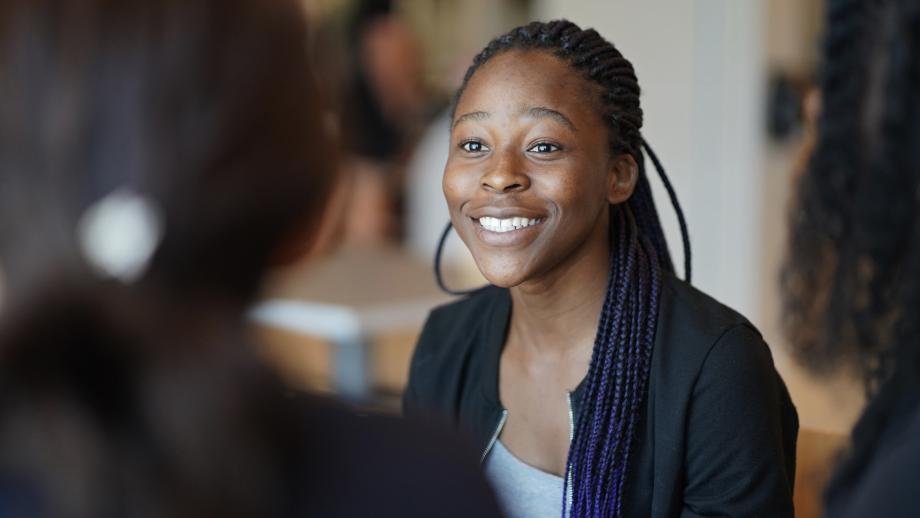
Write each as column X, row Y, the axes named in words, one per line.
column 506, row 224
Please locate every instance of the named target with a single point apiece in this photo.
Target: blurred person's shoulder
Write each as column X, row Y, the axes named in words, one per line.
column 363, row 464
column 886, row 485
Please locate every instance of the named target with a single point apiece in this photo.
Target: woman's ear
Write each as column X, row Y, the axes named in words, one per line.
column 622, row 177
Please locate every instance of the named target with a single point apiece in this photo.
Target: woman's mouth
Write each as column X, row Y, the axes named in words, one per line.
column 501, row 225
column 507, row 232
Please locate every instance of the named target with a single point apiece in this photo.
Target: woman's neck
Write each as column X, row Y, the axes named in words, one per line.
column 559, row 311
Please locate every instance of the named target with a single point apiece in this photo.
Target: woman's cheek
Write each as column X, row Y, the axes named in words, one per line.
column 458, row 184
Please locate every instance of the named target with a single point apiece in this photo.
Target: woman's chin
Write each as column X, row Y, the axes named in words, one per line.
column 503, row 275
column 502, row 282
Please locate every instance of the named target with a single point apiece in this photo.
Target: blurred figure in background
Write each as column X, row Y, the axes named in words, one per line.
column 385, row 96
column 156, row 157
column 852, row 275
column 382, row 110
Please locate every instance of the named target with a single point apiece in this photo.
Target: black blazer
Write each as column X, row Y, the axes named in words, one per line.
column 718, row 431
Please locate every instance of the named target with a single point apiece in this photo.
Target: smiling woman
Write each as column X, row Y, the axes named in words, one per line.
column 595, row 382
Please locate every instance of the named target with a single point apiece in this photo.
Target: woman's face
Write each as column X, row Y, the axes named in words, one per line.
column 529, row 177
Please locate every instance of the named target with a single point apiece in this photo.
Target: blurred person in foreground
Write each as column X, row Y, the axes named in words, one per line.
column 852, row 276
column 156, row 158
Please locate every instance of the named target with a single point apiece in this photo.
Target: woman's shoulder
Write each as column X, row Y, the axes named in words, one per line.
column 697, row 310
column 698, row 334
column 691, row 324
column 455, row 348
column 450, row 325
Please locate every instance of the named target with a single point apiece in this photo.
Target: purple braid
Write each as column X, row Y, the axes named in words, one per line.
column 618, row 314
column 624, row 365
column 616, row 383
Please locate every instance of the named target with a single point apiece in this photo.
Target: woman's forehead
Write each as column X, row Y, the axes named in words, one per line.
column 514, row 81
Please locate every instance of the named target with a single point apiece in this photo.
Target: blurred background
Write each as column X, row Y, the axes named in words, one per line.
column 726, row 93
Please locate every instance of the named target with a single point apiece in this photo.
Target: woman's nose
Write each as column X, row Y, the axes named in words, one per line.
column 506, row 174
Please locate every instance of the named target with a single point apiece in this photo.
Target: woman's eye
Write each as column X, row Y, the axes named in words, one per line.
column 544, row 147
column 473, row 146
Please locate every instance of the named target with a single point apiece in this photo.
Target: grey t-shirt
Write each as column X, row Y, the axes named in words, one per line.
column 523, row 490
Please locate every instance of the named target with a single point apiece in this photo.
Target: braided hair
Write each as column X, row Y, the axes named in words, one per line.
column 599, row 455
column 851, row 280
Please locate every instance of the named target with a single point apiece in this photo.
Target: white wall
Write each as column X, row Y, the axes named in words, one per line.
column 700, row 64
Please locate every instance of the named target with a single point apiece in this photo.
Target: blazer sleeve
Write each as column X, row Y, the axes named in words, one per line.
column 741, row 433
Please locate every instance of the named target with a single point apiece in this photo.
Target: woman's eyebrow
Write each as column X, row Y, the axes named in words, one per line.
column 542, row 112
column 538, row 112
column 477, row 116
